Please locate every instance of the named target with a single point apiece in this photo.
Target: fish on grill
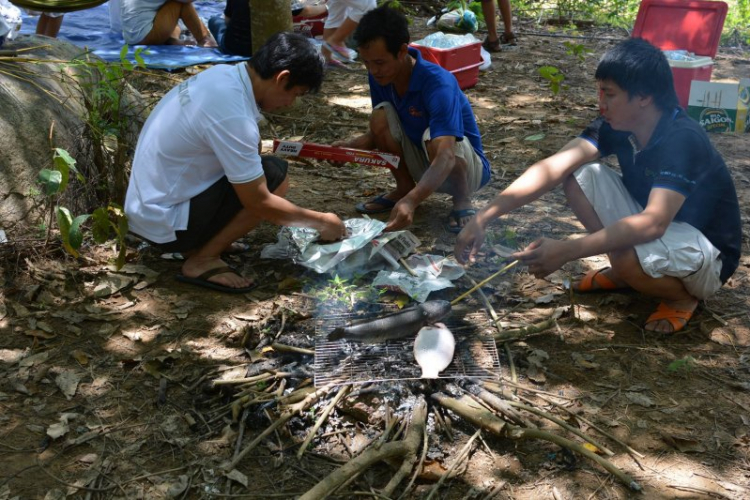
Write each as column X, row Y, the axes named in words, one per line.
column 394, row 326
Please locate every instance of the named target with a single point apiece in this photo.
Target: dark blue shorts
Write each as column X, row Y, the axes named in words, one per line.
column 212, row 210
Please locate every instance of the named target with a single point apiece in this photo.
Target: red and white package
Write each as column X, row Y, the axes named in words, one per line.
column 335, row 153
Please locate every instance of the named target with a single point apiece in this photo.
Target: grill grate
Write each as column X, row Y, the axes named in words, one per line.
column 344, row 362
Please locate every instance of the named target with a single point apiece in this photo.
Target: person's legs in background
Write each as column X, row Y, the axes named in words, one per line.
column 494, row 42
column 49, row 24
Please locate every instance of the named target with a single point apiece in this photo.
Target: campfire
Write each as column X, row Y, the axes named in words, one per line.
column 319, row 387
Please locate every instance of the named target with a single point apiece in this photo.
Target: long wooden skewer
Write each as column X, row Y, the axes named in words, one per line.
column 482, row 283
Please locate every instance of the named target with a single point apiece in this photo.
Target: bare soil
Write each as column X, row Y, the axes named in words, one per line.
column 140, row 418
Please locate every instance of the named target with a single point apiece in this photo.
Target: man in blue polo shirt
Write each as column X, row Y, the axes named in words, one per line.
column 420, row 114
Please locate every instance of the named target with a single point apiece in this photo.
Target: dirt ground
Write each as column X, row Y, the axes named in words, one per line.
column 105, row 378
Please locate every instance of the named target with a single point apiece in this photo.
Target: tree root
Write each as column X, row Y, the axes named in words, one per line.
column 406, row 448
column 470, row 410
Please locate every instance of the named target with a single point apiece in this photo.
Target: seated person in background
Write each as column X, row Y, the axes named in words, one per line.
column 198, row 182
column 232, row 31
column 420, row 114
column 670, row 224
column 155, row 22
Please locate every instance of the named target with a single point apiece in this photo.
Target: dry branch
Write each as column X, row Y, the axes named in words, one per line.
column 478, row 415
column 406, row 448
column 482, row 283
column 323, row 417
column 283, row 419
column 520, row 333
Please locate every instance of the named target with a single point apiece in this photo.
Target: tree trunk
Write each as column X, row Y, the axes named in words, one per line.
column 267, row 18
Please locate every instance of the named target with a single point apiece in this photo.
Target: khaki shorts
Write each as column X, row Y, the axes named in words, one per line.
column 417, row 160
column 683, row 252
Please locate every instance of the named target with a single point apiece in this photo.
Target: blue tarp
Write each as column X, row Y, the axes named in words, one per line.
column 91, row 29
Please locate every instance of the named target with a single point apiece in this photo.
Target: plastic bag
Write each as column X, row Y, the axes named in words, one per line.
column 10, row 20
column 464, row 21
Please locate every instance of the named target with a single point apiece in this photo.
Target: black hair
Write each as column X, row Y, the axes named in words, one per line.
column 641, row 70
column 386, row 23
column 291, row 52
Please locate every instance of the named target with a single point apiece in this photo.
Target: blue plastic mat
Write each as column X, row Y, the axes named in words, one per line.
column 90, row 28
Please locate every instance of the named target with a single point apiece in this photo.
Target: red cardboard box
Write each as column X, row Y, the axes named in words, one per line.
column 335, row 153
column 309, row 26
column 693, row 25
column 463, row 61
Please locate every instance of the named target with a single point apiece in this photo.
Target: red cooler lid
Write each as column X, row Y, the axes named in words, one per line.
column 692, row 25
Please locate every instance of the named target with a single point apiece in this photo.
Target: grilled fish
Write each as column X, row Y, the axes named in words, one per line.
column 394, row 326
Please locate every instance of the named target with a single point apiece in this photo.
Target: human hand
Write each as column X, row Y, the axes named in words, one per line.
column 543, row 257
column 331, row 228
column 469, row 241
column 402, row 215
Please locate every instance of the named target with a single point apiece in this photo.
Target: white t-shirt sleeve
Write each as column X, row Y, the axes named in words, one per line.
column 234, row 141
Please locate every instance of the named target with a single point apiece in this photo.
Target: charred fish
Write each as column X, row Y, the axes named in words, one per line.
column 394, row 326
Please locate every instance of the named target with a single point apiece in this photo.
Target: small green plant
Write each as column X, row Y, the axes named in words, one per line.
column 553, row 76
column 683, row 365
column 577, row 49
column 109, row 110
column 106, row 220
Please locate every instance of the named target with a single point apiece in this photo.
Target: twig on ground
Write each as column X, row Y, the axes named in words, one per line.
column 291, row 411
column 289, row 348
column 323, row 417
column 459, row 458
column 482, row 283
column 406, row 448
column 475, row 414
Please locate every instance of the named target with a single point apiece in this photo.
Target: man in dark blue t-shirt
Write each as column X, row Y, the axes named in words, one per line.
column 420, row 114
column 669, row 223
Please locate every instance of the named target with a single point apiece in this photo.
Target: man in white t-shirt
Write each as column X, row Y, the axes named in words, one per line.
column 198, row 182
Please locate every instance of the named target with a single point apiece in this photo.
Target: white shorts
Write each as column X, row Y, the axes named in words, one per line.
column 340, row 10
column 683, row 252
column 417, row 159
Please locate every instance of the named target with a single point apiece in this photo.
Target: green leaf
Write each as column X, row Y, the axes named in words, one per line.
column 50, row 181
column 536, row 137
column 549, row 72
column 64, row 222
column 75, row 236
column 124, row 53
column 100, row 229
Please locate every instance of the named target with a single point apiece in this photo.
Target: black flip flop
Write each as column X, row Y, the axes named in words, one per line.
column 386, row 204
column 202, row 280
column 457, row 215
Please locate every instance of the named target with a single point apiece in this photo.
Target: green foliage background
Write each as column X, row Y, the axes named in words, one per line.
column 621, row 13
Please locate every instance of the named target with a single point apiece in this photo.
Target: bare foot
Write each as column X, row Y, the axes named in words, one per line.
column 671, row 316
column 195, row 266
column 208, row 42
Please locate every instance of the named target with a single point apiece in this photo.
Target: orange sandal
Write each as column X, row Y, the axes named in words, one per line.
column 676, row 317
column 596, row 281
